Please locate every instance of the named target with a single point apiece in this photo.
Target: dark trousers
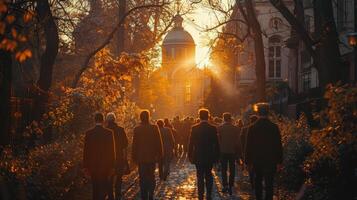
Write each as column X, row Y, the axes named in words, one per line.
column 228, row 161
column 100, row 186
column 164, row 167
column 115, row 182
column 251, row 178
column 147, row 180
column 204, row 177
column 267, row 174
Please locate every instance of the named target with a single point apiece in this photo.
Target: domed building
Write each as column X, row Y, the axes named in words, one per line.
column 187, row 81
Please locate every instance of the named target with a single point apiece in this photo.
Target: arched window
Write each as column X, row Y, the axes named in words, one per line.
column 274, row 57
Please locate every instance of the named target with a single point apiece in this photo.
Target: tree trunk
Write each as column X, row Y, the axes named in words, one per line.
column 47, row 58
column 327, row 57
column 5, row 95
column 121, row 30
column 259, row 51
column 331, row 67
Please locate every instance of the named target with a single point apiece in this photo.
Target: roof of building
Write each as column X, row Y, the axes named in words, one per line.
column 178, row 35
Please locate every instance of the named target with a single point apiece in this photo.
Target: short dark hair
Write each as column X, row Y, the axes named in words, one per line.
column 240, row 123
column 262, row 109
column 227, row 117
column 160, row 123
column 203, row 113
column 145, row 115
column 98, row 117
column 166, row 121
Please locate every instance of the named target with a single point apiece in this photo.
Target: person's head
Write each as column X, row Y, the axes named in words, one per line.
column 227, row 117
column 240, row 123
column 160, row 123
column 145, row 116
column 217, row 120
column 98, row 118
column 262, row 109
column 110, row 118
column 167, row 122
column 253, row 118
column 204, row 114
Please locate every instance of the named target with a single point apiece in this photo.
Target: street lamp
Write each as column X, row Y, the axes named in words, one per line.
column 352, row 41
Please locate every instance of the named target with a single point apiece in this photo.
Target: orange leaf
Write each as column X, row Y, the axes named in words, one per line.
column 3, row 7
column 21, row 38
column 21, row 56
column 28, row 16
column 10, row 19
column 14, row 32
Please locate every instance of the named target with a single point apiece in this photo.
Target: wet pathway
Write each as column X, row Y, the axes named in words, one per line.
column 181, row 185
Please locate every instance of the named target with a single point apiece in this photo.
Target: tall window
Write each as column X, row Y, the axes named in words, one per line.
column 187, row 92
column 274, row 57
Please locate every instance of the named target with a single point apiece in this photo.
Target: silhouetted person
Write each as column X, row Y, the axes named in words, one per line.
column 146, row 152
column 264, row 152
column 204, row 151
column 186, row 128
column 240, row 124
column 243, row 136
column 178, row 125
column 121, row 143
column 98, row 157
column 167, row 124
column 230, row 146
column 168, row 143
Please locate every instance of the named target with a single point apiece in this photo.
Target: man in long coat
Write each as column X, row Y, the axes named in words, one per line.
column 204, row 151
column 98, row 157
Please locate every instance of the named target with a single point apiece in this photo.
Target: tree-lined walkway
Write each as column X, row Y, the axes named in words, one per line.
column 180, row 185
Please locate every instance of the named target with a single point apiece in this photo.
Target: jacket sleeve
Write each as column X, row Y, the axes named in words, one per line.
column 134, row 149
column 239, row 143
column 172, row 138
column 279, row 146
column 216, row 144
column 248, row 145
column 159, row 145
column 125, row 139
column 86, row 152
column 111, row 150
column 191, row 146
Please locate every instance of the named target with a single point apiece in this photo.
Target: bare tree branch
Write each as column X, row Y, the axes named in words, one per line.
column 109, row 38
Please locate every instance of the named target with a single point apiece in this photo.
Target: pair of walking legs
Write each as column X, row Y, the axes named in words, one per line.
column 164, row 168
column 228, row 162
column 265, row 173
column 147, row 180
column 100, row 187
column 204, row 178
column 115, row 182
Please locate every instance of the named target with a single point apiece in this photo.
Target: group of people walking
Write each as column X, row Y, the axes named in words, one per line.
column 257, row 146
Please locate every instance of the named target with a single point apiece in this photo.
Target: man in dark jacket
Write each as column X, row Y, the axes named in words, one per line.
column 98, row 157
column 204, row 152
column 230, row 146
column 168, row 143
column 147, row 150
column 121, row 143
column 264, row 152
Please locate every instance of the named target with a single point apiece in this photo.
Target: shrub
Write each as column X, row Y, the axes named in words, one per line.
column 296, row 147
column 331, row 167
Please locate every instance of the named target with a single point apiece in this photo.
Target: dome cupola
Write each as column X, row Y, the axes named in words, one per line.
column 178, row 35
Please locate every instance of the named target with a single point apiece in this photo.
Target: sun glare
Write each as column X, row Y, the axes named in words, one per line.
column 195, row 23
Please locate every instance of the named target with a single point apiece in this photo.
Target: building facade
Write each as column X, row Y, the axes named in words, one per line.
column 187, row 82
